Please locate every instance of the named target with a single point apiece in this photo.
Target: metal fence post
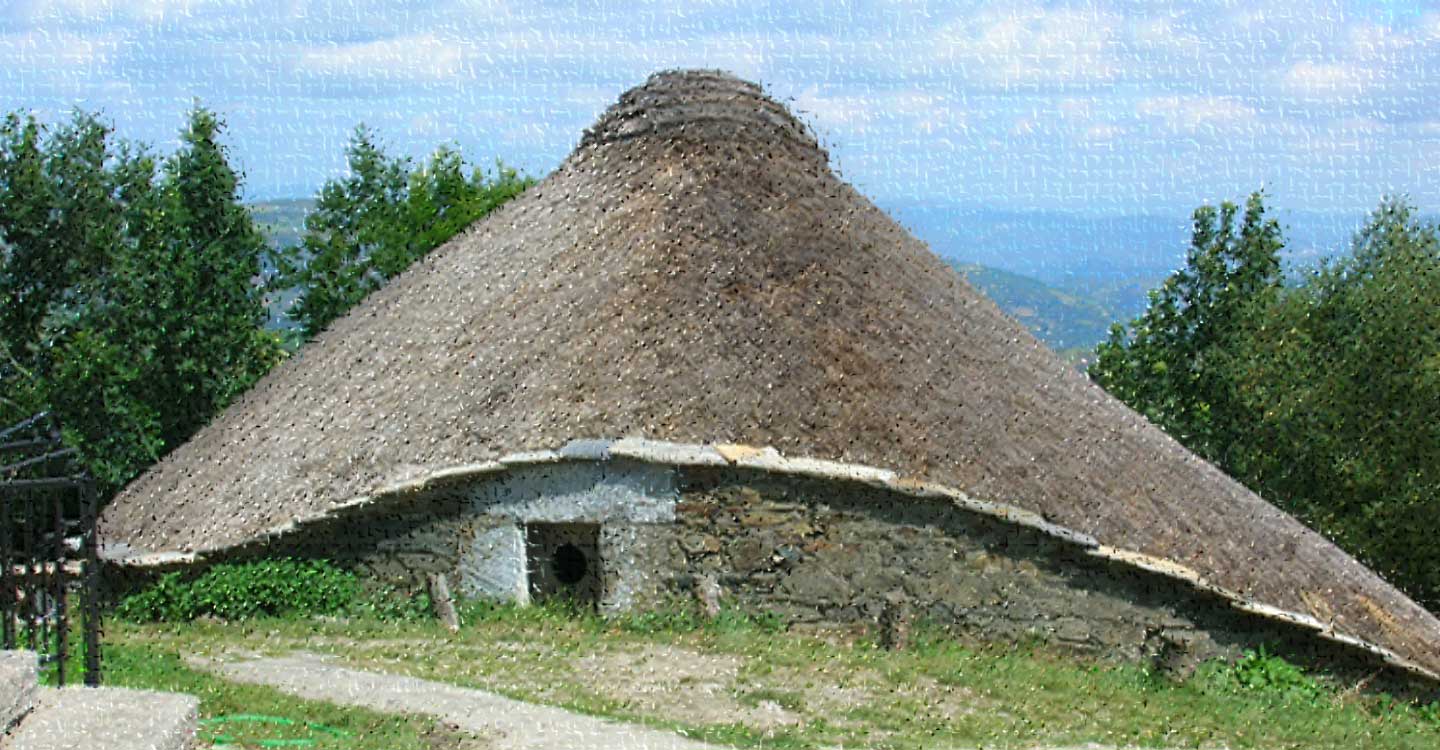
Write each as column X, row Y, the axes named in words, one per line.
column 39, row 480
column 61, row 596
column 91, row 572
column 7, row 559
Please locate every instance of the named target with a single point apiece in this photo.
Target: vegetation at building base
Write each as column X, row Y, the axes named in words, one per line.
column 827, row 686
column 371, row 225
column 282, row 587
column 1321, row 395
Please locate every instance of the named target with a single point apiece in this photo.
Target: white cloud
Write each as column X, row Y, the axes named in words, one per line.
column 1368, row 41
column 58, row 51
column 91, row 11
column 1160, row 35
column 433, row 126
column 422, row 57
column 904, row 111
column 745, row 55
column 845, row 113
column 1189, row 114
column 1359, row 125
column 1103, row 132
column 1324, row 80
column 1035, row 46
column 1075, row 110
column 1430, row 26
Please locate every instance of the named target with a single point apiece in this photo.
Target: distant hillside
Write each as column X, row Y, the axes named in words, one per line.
column 1063, row 320
column 283, row 222
column 1072, row 251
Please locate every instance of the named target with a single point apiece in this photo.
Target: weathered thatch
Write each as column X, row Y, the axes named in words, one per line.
column 694, row 273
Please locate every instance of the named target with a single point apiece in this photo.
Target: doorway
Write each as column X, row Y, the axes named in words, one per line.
column 563, row 562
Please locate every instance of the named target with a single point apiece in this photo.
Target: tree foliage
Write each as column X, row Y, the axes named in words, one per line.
column 1172, row 364
column 1323, row 396
column 383, row 216
column 131, row 308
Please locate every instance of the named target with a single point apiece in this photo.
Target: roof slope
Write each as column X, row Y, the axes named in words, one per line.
column 694, row 273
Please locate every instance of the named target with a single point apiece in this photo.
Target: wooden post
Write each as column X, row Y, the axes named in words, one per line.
column 8, row 601
column 59, row 596
column 895, row 623
column 707, row 592
column 443, row 603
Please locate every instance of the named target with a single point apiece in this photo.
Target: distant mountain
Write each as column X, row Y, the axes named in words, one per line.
column 1056, row 248
column 1060, row 319
column 1067, row 276
column 283, row 221
column 1076, row 251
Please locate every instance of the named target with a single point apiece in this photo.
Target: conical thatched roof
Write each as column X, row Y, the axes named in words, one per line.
column 694, row 273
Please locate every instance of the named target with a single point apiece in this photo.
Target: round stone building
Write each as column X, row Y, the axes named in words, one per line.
column 693, row 354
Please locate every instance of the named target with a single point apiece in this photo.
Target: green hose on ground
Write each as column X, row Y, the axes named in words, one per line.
column 226, row 740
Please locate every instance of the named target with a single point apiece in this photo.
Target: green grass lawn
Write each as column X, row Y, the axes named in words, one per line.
column 235, row 715
column 750, row 683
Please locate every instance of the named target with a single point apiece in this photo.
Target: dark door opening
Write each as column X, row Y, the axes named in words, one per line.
column 563, row 561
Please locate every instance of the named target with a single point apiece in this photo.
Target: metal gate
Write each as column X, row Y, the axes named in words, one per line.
column 47, row 548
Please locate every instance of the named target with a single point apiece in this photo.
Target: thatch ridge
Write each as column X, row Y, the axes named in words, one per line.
column 710, row 281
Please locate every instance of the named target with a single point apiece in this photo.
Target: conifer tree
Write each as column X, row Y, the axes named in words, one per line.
column 137, row 315
column 380, row 218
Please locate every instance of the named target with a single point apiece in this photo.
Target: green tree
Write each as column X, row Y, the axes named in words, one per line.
column 139, row 316
column 57, row 219
column 374, row 223
column 1323, row 397
column 1344, row 379
column 1173, row 363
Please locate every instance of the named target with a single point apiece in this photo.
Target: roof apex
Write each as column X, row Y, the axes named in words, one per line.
column 704, row 104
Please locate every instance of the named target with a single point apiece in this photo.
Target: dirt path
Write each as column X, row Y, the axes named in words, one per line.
column 513, row 724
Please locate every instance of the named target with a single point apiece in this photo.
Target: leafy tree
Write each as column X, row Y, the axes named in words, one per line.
column 139, row 317
column 1344, row 383
column 1324, row 397
column 371, row 225
column 56, row 220
column 1172, row 365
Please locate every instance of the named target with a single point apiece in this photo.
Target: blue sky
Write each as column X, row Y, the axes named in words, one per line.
column 1095, row 108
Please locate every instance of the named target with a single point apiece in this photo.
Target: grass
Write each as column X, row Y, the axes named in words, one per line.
column 254, row 716
column 719, row 680
column 236, row 715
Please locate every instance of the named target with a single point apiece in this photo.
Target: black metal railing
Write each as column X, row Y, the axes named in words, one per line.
column 47, row 548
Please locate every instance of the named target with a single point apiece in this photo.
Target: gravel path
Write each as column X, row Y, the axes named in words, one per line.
column 513, row 724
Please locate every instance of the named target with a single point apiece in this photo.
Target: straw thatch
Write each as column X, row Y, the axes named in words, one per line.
column 693, row 272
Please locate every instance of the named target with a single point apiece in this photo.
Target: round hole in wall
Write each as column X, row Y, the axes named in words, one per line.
column 570, row 564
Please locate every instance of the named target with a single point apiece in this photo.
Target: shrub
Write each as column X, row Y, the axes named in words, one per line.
column 387, row 603
column 245, row 590
column 1259, row 671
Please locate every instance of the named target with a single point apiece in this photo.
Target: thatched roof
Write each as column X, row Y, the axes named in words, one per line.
column 694, row 273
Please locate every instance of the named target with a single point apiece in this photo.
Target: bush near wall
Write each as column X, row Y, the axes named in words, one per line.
column 268, row 588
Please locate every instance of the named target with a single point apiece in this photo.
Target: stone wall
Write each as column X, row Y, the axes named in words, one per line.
column 474, row 533
column 819, row 551
column 814, row 550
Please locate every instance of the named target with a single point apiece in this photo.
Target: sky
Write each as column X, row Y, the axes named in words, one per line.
column 1098, row 108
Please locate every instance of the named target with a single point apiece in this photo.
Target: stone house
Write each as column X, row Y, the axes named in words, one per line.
column 692, row 353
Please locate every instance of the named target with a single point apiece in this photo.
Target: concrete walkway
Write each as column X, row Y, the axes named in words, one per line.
column 511, row 723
